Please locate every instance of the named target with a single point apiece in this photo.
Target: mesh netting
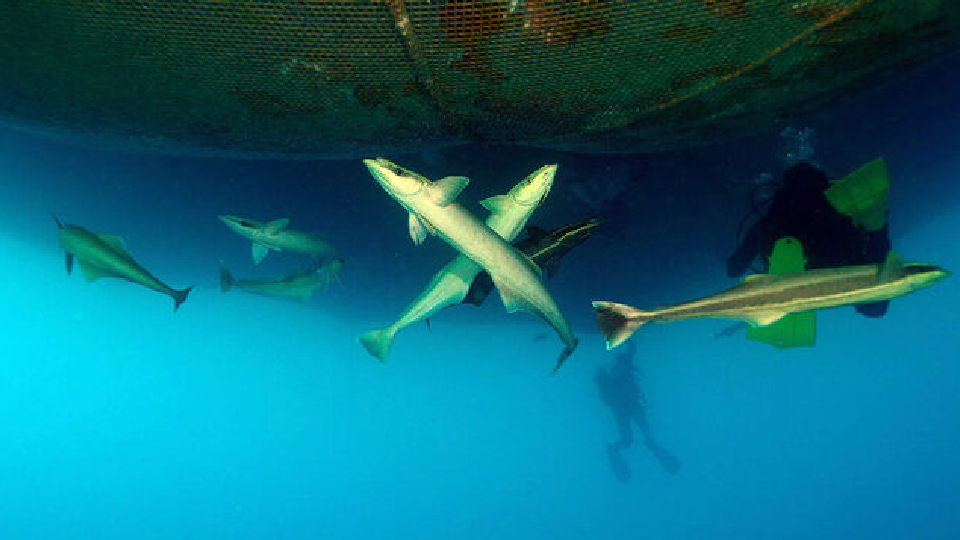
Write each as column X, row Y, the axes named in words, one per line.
column 358, row 77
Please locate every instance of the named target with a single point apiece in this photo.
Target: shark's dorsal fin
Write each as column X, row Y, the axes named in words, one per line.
column 259, row 252
column 447, row 189
column 276, row 226
column 419, row 228
column 93, row 272
column 496, row 204
column 113, row 241
column 892, row 268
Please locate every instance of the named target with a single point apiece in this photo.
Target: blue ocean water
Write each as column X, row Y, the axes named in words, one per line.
column 246, row 417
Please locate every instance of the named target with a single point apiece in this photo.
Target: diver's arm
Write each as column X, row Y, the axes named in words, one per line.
column 746, row 252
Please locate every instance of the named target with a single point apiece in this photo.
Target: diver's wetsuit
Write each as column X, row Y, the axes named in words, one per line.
column 829, row 239
column 619, row 390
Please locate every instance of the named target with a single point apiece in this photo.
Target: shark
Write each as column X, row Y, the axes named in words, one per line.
column 545, row 248
column 276, row 235
column 433, row 209
column 102, row 255
column 763, row 299
column 298, row 285
column 449, row 286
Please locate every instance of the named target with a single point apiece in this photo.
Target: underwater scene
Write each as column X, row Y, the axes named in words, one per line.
column 754, row 338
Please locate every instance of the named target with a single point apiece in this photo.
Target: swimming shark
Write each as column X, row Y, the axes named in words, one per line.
column 544, row 248
column 277, row 235
column 104, row 256
column 432, row 210
column 763, row 299
column 450, row 285
column 298, row 285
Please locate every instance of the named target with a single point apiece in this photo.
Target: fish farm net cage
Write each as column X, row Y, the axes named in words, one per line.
column 351, row 77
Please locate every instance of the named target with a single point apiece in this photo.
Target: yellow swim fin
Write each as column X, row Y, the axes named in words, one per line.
column 796, row 329
column 862, row 195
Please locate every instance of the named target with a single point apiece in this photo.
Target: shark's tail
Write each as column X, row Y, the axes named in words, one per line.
column 226, row 280
column 618, row 322
column 378, row 342
column 180, row 296
column 565, row 354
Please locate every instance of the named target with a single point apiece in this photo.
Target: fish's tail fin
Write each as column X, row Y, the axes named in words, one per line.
column 618, row 322
column 378, row 342
column 565, row 354
column 226, row 280
column 180, row 297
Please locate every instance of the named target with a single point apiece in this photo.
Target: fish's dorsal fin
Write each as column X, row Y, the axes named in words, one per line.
column 93, row 272
column 533, row 266
column 259, row 252
column 892, row 268
column 764, row 317
column 276, row 226
column 446, row 190
column 535, row 233
column 496, row 204
column 113, row 241
column 419, row 228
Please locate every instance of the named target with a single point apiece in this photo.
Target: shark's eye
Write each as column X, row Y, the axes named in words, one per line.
column 395, row 169
column 245, row 223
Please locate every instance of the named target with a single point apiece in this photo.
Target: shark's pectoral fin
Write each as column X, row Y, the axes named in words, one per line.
column 276, row 226
column 93, row 272
column 446, row 190
column 764, row 317
column 513, row 301
column 113, row 241
column 259, row 252
column 419, row 229
column 497, row 204
column 68, row 260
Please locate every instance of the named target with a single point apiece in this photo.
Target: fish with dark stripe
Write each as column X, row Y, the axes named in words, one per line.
column 763, row 299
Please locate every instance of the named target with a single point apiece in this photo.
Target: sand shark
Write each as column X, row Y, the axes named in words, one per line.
column 433, row 210
column 104, row 256
column 763, row 299
column 298, row 285
column 544, row 248
column 277, row 235
column 509, row 213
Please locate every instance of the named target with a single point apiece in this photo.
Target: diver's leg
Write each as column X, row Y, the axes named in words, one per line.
column 626, row 431
column 666, row 459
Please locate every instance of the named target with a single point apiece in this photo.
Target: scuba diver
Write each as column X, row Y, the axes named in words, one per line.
column 838, row 222
column 619, row 390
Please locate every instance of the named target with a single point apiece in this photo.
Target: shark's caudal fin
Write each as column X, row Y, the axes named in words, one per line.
column 565, row 354
column 377, row 342
column 226, row 280
column 618, row 321
column 180, row 296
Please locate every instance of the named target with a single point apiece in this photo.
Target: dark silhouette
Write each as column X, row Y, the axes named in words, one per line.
column 830, row 239
column 620, row 391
